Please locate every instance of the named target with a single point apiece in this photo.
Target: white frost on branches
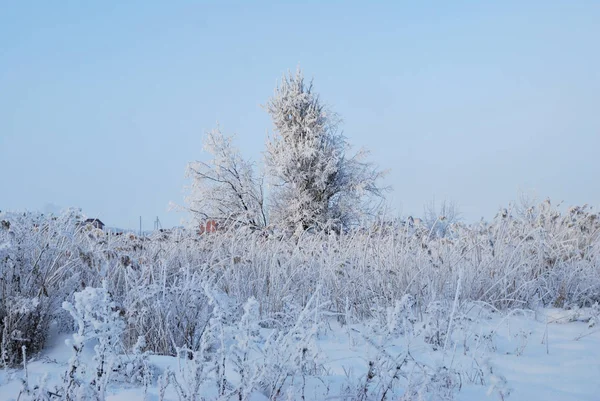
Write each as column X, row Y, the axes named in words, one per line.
column 316, row 183
column 225, row 188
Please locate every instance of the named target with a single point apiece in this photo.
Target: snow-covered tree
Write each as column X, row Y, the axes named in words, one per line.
column 439, row 221
column 316, row 184
column 225, row 188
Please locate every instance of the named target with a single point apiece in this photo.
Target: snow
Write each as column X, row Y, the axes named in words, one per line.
column 543, row 355
column 567, row 369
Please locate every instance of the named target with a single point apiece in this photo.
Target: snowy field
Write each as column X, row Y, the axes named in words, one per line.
column 501, row 310
column 549, row 355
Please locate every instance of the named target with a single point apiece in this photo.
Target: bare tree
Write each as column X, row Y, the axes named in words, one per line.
column 225, row 188
column 438, row 221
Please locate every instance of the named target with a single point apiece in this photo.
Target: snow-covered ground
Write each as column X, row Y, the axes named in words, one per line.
column 388, row 313
column 549, row 354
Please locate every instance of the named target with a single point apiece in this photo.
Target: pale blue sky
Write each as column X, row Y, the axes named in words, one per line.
column 103, row 103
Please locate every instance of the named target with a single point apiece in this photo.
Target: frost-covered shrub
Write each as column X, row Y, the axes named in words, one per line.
column 20, row 326
column 291, row 352
column 39, row 268
column 174, row 311
column 134, row 367
column 595, row 315
column 236, row 359
column 436, row 325
column 444, row 383
column 401, row 317
column 98, row 321
column 246, row 348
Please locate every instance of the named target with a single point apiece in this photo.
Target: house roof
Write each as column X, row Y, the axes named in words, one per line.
column 94, row 221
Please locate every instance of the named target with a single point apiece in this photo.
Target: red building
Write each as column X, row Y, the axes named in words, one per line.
column 209, row 226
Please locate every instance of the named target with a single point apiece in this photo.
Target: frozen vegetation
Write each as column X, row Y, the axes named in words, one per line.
column 506, row 309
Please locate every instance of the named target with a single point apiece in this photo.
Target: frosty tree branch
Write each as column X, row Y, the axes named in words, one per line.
column 225, row 188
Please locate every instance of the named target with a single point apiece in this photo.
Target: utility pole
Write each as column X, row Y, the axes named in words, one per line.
column 140, row 226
